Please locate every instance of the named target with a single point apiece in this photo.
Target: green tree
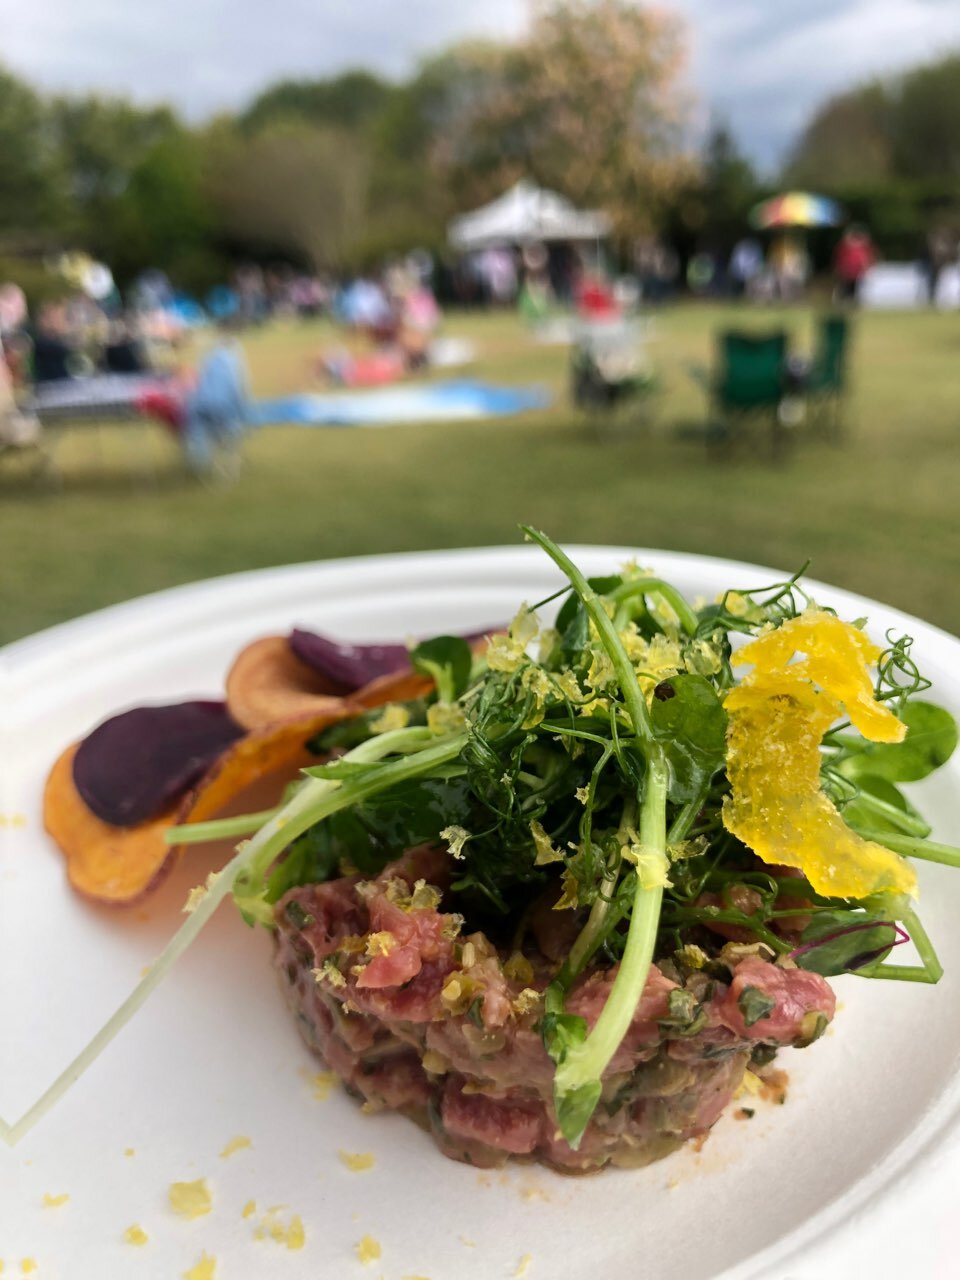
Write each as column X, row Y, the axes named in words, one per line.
column 30, row 201
column 727, row 188
column 164, row 216
column 99, row 144
column 926, row 122
column 292, row 188
column 848, row 142
column 348, row 101
column 588, row 102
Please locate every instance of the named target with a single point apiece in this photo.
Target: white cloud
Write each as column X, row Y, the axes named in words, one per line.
column 764, row 64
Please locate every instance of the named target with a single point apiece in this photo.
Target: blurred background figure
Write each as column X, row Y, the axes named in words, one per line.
column 852, row 259
column 54, row 350
column 18, row 429
column 746, row 264
column 701, row 272
column 789, row 265
column 497, row 269
column 942, row 249
column 216, row 412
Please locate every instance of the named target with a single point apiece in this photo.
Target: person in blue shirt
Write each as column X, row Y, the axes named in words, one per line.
column 216, row 413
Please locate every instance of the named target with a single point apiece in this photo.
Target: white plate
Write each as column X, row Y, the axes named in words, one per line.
column 812, row 1189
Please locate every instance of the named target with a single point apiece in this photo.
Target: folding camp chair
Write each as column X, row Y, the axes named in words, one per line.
column 611, row 369
column 748, row 385
column 827, row 382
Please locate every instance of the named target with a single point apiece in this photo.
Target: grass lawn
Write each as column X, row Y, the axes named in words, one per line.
column 877, row 514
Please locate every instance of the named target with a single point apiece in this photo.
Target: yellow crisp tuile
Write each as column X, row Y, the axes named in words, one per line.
column 778, row 716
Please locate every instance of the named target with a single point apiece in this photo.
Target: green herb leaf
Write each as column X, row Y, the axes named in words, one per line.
column 879, row 805
column 846, row 940
column 560, row 1032
column 690, row 723
column 574, row 1109
column 448, row 661
column 930, row 741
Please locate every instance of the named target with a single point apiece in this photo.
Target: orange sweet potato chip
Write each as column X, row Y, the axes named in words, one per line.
column 277, row 751
column 268, row 683
column 119, row 865
column 111, row 864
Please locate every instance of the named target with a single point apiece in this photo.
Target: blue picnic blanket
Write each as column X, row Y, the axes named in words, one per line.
column 387, row 406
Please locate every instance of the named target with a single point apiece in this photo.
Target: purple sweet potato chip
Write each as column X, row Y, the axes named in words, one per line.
column 347, row 666
column 134, row 764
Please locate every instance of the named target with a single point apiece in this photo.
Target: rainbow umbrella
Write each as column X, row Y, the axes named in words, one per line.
column 795, row 209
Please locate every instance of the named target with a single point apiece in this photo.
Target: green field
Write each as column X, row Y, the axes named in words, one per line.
column 877, row 514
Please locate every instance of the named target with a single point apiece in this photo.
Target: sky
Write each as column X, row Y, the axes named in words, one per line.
column 762, row 65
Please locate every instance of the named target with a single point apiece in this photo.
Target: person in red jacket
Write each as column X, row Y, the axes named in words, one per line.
column 854, row 257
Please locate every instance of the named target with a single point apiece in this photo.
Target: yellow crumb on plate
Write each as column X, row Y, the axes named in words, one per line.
column 357, row 1161
column 467, row 1242
column 135, row 1235
column 322, row 1084
column 191, row 1199
column 249, row 1209
column 291, row 1234
column 236, row 1144
column 296, row 1236
column 28, row 1266
column 523, row 1266
column 130, row 1151
column 54, row 1202
column 368, row 1250
column 750, row 1083
column 204, row 1269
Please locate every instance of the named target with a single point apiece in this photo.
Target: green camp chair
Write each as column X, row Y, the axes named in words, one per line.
column 827, row 383
column 747, row 386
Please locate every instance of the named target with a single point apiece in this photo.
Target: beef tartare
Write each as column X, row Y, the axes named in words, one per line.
column 417, row 1016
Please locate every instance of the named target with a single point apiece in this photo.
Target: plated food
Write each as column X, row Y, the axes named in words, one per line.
column 557, row 897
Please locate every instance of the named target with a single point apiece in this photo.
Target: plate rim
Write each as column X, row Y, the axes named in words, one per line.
column 25, row 648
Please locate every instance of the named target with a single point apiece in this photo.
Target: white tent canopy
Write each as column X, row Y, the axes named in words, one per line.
column 526, row 213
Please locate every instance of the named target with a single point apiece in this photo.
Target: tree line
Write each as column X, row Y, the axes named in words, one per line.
column 335, row 173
